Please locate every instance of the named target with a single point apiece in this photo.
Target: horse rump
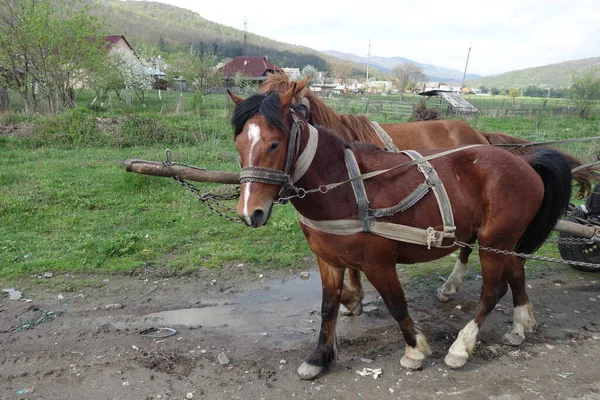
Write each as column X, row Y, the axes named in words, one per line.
column 555, row 170
column 585, row 177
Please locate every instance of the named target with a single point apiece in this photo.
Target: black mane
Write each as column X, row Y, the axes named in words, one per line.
column 268, row 105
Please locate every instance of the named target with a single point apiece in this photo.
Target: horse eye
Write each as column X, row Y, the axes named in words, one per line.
column 275, row 145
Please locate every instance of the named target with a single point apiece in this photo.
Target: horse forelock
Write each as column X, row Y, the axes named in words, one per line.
column 267, row 105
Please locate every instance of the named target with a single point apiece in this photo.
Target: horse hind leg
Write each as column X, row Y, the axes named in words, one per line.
column 451, row 287
column 387, row 284
column 523, row 319
column 494, row 288
column 325, row 354
column 352, row 294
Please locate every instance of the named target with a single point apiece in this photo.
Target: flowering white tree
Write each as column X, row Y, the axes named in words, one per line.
column 132, row 72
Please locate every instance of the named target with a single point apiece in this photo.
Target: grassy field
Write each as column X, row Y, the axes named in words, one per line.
column 66, row 203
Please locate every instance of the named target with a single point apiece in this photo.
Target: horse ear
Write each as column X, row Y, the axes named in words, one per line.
column 302, row 84
column 236, row 100
column 287, row 97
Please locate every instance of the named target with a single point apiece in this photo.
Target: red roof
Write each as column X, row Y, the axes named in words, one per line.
column 251, row 66
column 115, row 38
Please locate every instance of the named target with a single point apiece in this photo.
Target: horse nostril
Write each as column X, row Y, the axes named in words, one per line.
column 257, row 217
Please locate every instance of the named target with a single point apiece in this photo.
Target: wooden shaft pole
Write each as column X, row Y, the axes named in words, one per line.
column 193, row 174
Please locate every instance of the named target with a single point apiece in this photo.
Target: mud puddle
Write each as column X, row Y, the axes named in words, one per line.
column 287, row 312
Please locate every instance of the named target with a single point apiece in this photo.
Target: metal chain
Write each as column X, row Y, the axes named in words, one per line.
column 210, row 199
column 524, row 255
column 570, row 240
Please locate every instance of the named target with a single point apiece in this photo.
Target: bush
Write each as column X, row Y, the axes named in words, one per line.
column 72, row 128
column 145, row 129
column 422, row 113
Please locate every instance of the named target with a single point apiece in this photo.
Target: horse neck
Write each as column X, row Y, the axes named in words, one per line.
column 328, row 166
column 349, row 127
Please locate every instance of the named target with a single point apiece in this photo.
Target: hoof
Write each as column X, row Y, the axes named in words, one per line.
column 309, row 372
column 513, row 339
column 411, row 364
column 454, row 361
column 358, row 309
column 444, row 297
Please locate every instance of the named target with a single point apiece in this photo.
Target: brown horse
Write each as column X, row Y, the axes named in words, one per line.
column 416, row 136
column 509, row 202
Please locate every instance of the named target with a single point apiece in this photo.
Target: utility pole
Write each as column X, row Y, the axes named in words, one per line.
column 245, row 36
column 368, row 64
column 465, row 74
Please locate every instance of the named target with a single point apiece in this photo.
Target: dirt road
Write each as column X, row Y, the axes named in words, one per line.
column 266, row 323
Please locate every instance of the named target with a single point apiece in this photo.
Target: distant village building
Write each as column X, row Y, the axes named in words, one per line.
column 250, row 68
column 118, row 41
column 293, row 74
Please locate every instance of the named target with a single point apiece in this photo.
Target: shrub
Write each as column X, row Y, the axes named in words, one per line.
column 422, row 113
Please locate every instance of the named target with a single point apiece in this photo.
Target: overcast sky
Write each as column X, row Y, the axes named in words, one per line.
column 504, row 35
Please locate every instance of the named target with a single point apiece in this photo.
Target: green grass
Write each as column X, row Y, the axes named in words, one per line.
column 66, row 203
column 78, row 210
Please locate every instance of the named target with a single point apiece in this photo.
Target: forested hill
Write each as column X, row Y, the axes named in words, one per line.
column 557, row 76
column 172, row 29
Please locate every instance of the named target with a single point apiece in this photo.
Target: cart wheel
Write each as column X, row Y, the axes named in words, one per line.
column 589, row 253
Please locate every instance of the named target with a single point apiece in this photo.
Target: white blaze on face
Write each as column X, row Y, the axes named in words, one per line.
column 253, row 137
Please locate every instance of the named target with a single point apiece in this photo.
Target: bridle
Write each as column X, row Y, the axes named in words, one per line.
column 284, row 178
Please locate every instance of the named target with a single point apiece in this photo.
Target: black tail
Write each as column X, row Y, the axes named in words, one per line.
column 553, row 167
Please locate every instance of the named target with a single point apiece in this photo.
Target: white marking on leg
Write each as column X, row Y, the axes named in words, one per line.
column 414, row 356
column 466, row 340
column 254, row 137
column 523, row 321
column 454, row 281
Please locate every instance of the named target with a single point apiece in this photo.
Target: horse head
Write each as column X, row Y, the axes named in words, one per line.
column 266, row 146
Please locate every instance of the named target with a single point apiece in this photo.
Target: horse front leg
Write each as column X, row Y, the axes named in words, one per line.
column 352, row 294
column 385, row 280
column 332, row 279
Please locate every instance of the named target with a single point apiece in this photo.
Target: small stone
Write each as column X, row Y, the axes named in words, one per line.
column 125, row 383
column 61, row 296
column 223, row 359
column 549, row 346
column 264, row 334
column 213, row 282
column 557, row 284
column 189, row 395
column 282, row 362
column 529, row 287
column 116, row 306
column 366, row 360
column 260, row 275
column 159, row 396
column 592, row 299
column 391, row 390
column 576, row 311
column 369, row 308
column 304, row 275
column 478, row 277
column 48, row 275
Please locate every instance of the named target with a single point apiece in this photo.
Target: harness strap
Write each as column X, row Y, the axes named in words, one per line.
column 405, row 203
column 438, row 189
column 308, row 154
column 397, row 232
column 360, row 194
column 388, row 143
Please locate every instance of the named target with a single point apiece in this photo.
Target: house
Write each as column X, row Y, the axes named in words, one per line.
column 251, row 68
column 118, row 41
column 293, row 74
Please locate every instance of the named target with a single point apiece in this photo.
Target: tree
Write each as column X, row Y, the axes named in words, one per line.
column 197, row 70
column 341, row 71
column 407, row 76
column 495, row 91
column 483, row 89
column 133, row 72
column 309, row 70
column 585, row 90
column 48, row 48
column 514, row 93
